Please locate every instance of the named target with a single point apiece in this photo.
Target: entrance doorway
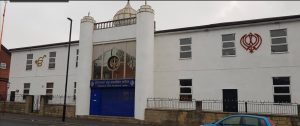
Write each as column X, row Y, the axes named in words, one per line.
column 112, row 97
column 230, row 100
column 36, row 103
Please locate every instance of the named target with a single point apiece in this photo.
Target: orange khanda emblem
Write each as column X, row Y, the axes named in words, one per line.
column 251, row 42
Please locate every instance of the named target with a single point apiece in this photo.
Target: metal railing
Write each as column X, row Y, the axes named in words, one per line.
column 253, row 107
column 51, row 99
column 59, row 100
column 115, row 23
column 167, row 103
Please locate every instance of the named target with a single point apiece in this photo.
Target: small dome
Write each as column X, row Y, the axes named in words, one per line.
column 126, row 12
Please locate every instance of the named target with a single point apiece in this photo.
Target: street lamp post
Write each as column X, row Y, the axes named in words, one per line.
column 67, row 72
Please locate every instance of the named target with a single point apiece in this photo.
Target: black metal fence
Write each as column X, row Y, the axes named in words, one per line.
column 167, row 103
column 252, row 107
column 255, row 107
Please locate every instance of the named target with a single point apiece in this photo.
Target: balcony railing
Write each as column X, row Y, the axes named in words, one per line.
column 115, row 23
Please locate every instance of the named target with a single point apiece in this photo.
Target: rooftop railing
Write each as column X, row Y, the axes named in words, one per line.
column 115, row 23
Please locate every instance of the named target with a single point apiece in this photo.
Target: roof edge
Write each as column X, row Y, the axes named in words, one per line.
column 46, row 45
column 234, row 23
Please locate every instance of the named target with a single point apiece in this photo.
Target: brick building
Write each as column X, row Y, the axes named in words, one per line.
column 4, row 71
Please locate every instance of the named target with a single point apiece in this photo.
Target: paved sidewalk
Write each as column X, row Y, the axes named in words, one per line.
column 55, row 121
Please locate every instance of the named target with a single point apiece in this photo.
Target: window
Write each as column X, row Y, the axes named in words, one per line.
column 49, row 90
column 29, row 61
column 232, row 121
column 279, row 41
column 185, row 90
column 75, row 85
column 228, row 46
column 123, row 68
column 52, row 56
column 3, row 66
column 26, row 90
column 185, row 48
column 281, row 88
column 249, row 121
column 77, row 53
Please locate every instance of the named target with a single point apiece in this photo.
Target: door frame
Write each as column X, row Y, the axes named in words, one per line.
column 230, row 105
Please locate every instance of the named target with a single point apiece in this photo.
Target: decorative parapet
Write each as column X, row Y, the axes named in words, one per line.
column 115, row 23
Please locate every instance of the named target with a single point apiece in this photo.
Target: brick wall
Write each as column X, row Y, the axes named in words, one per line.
column 4, row 73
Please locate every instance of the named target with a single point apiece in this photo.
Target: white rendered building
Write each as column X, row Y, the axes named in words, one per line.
column 125, row 61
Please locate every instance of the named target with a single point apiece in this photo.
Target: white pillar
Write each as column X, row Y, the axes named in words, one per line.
column 85, row 65
column 144, row 60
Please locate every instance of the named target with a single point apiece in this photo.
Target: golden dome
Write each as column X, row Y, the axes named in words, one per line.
column 126, row 12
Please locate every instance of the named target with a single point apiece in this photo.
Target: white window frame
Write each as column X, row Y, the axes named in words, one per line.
column 191, row 87
column 190, row 45
column 29, row 64
column 75, row 91
column 280, row 43
column 51, row 88
column 77, row 58
column 289, row 86
column 232, row 41
column 3, row 65
column 26, row 89
column 51, row 57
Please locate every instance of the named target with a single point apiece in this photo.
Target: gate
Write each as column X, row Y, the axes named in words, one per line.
column 112, row 98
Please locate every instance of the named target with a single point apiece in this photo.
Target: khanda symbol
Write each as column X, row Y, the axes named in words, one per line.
column 251, row 42
column 39, row 61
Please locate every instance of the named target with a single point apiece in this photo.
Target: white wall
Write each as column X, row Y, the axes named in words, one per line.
column 115, row 33
column 250, row 73
column 39, row 76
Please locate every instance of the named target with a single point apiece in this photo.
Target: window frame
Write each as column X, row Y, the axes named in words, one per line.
column 281, row 44
column 77, row 58
column 230, row 41
column 52, row 62
column 184, row 45
column 282, row 85
column 50, row 95
column 74, row 90
column 186, row 86
column 29, row 64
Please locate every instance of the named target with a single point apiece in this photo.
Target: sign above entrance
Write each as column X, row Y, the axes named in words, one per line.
column 112, row 83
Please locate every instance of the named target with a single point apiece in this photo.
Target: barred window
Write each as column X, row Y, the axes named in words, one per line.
column 185, row 48
column 185, row 90
column 52, row 56
column 29, row 61
column 279, row 41
column 228, row 45
column 281, row 89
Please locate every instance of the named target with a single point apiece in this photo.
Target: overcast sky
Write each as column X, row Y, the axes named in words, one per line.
column 28, row 24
